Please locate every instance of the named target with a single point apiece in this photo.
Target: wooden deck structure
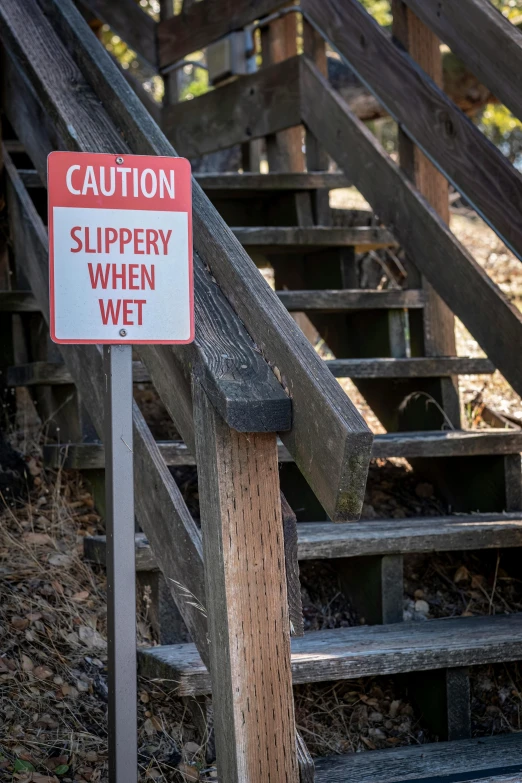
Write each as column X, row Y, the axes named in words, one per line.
column 257, row 410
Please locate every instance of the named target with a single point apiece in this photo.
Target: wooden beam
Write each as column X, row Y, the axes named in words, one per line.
column 160, row 508
column 276, row 180
column 247, row 108
column 364, row 651
column 134, row 25
column 230, row 368
column 352, row 299
column 450, row 269
column 202, row 24
column 418, row 367
column 481, row 758
column 325, row 422
column 489, row 44
column 279, row 239
column 465, row 156
column 246, row 600
column 17, row 302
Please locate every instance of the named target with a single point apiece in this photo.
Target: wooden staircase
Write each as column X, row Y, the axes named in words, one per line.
column 252, row 370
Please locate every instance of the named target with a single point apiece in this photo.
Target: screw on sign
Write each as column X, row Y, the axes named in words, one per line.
column 120, row 263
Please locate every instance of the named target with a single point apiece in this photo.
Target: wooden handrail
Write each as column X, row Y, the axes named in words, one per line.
column 325, row 422
column 488, row 43
column 205, row 22
column 449, row 267
column 426, row 114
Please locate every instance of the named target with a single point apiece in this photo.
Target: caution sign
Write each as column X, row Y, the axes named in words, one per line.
column 120, row 244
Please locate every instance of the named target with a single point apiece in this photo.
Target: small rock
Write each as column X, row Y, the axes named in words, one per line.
column 376, row 733
column 422, row 607
column 375, row 717
column 191, row 748
column 42, row 672
column 57, row 559
column 418, row 594
column 394, row 708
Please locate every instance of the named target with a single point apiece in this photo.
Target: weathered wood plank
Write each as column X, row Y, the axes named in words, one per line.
column 282, row 239
column 274, row 180
column 427, row 115
column 352, row 299
column 55, row 374
column 418, row 367
column 325, row 421
column 484, row 39
column 453, row 443
column 17, row 302
column 364, row 651
column 293, row 584
column 235, row 375
column 245, row 582
column 160, row 508
column 485, row 756
column 327, row 541
column 134, row 25
column 247, row 108
column 201, row 25
column 460, row 281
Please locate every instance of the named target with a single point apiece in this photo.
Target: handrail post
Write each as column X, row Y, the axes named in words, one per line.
column 246, row 600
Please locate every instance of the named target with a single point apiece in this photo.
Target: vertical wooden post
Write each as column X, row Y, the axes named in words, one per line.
column 279, row 42
column 246, row 598
column 7, row 396
column 170, row 80
column 438, row 321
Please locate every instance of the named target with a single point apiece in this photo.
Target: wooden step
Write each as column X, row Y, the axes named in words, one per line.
column 485, row 759
column 275, row 239
column 328, row 540
column 410, row 445
column 418, row 367
column 56, row 374
column 49, row 373
column 365, row 651
column 252, row 181
column 357, row 299
column 239, row 184
column 18, row 302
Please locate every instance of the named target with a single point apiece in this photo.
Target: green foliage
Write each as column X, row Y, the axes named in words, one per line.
column 23, row 766
column 380, row 10
column 510, row 8
column 504, row 130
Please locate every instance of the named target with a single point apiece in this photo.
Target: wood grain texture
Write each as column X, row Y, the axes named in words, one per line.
column 364, row 651
column 275, row 180
column 246, row 600
column 203, row 24
column 282, row 239
column 433, row 443
column 489, row 44
column 354, row 299
column 160, row 508
column 54, row 374
column 293, row 584
column 418, row 367
column 439, row 760
column 136, row 27
column 229, row 366
column 325, row 422
column 452, row 271
column 328, row 541
column 427, row 115
column 244, row 109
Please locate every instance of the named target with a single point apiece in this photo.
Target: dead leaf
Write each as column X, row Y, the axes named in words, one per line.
column 461, row 575
column 27, row 664
column 64, row 561
column 37, row 539
column 81, row 596
column 149, row 727
column 42, row 672
column 58, row 587
column 189, row 772
column 20, row 623
column 91, row 638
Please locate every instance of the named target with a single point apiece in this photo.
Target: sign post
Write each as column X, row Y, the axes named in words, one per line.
column 120, row 245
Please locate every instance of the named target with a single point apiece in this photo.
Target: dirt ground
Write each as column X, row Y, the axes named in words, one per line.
column 53, row 678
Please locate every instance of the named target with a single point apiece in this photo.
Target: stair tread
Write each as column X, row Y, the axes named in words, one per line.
column 352, row 299
column 18, row 302
column 348, row 653
column 273, row 181
column 284, row 238
column 488, row 759
column 416, row 367
column 436, row 443
column 54, row 373
column 328, row 540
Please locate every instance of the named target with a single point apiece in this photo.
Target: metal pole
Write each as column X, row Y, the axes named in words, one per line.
column 121, row 573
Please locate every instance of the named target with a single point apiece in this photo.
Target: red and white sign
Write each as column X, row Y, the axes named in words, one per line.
column 120, row 244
